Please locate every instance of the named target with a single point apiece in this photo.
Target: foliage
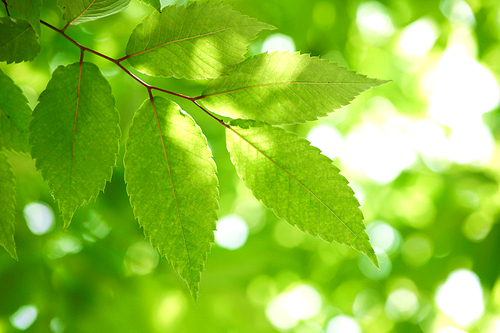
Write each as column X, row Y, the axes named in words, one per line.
column 169, row 171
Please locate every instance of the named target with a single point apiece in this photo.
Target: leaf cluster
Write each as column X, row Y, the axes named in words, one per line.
column 74, row 134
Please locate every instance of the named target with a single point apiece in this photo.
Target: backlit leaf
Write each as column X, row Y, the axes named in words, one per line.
column 298, row 183
column 202, row 40
column 18, row 40
column 74, row 135
column 284, row 88
column 7, row 206
column 172, row 185
column 153, row 3
column 79, row 11
column 30, row 10
column 15, row 114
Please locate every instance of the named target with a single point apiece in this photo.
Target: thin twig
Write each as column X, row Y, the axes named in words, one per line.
column 6, row 7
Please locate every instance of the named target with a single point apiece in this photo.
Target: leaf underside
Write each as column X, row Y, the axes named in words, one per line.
column 18, row 41
column 30, row 10
column 79, row 11
column 7, row 206
column 15, row 114
column 202, row 40
column 298, row 183
column 153, row 3
column 172, row 185
column 284, row 88
column 74, row 135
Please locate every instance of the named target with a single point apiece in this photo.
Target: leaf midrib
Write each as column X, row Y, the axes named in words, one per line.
column 300, row 183
column 278, row 84
column 187, row 38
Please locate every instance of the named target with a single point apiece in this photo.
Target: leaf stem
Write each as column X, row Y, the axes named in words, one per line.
column 6, row 7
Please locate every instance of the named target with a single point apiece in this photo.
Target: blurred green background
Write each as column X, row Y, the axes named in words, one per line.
column 422, row 154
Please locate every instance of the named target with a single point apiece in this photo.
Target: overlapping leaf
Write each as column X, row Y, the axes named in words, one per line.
column 153, row 3
column 79, row 11
column 172, row 185
column 7, row 206
column 202, row 40
column 18, row 40
column 15, row 114
column 284, row 88
column 30, row 10
column 74, row 135
column 298, row 183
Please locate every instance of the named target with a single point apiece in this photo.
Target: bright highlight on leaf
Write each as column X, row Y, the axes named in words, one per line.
column 30, row 10
column 284, row 88
column 202, row 40
column 15, row 116
column 7, row 206
column 74, row 135
column 79, row 11
column 172, row 185
column 298, row 183
column 18, row 41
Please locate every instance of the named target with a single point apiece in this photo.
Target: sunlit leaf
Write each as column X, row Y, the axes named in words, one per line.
column 7, row 206
column 18, row 40
column 15, row 114
column 153, row 3
column 202, row 40
column 30, row 10
column 79, row 11
column 74, row 135
column 171, row 182
column 298, row 183
column 284, row 88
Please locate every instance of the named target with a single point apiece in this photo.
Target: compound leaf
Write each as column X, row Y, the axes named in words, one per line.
column 79, row 11
column 153, row 3
column 202, row 40
column 284, row 88
column 74, row 135
column 30, row 10
column 18, row 41
column 7, row 206
column 298, row 183
column 15, row 114
column 172, row 185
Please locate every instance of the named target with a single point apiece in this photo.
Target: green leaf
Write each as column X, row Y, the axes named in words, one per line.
column 202, row 40
column 30, row 10
column 298, row 183
column 74, row 135
column 172, row 185
column 153, row 3
column 18, row 40
column 15, row 114
column 284, row 88
column 7, row 206
column 79, row 11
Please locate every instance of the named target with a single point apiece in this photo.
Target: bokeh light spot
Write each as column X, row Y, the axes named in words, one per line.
column 39, row 218
column 344, row 324
column 401, row 305
column 367, row 304
column 417, row 250
column 383, row 236
column 461, row 297
column 323, row 15
column 374, row 23
column 457, row 11
column 231, row 233
column 278, row 42
column 303, row 302
column 141, row 258
column 419, row 37
column 57, row 325
column 24, row 317
column 477, row 226
column 62, row 245
column 328, row 139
